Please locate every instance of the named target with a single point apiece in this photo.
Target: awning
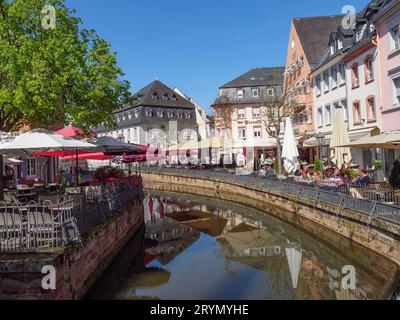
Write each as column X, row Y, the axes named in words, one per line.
column 386, row 140
column 353, row 135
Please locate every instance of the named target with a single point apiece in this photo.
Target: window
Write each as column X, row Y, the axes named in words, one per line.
column 395, row 33
column 355, row 82
column 308, row 85
column 371, row 109
column 256, row 113
column 318, row 86
column 360, row 32
column 396, row 83
column 333, row 48
column 257, row 132
column 165, row 96
column 342, row 74
column 170, row 114
column 180, row 115
column 320, row 118
column 340, row 44
column 326, row 81
column 309, row 117
column 31, row 167
column 256, row 93
column 149, row 113
column 242, row 133
column 123, row 117
column 345, row 110
column 271, row 92
column 334, row 77
column 356, row 113
column 160, row 114
column 135, row 133
column 118, row 119
column 369, row 69
column 188, row 116
column 128, row 135
column 130, row 115
column 241, row 113
column 240, row 93
column 328, row 115
column 136, row 114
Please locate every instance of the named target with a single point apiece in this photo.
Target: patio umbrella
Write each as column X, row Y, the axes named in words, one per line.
column 88, row 156
column 111, row 146
column 339, row 155
column 293, row 256
column 40, row 140
column 71, row 132
column 289, row 152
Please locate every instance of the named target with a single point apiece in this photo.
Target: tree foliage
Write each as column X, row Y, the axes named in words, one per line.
column 394, row 178
column 55, row 76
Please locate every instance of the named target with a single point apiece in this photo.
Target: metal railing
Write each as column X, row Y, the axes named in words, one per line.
column 340, row 197
column 49, row 225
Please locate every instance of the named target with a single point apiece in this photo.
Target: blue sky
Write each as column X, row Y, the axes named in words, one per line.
column 198, row 45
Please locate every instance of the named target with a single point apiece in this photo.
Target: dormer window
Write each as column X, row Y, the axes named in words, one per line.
column 340, row 44
column 149, row 113
column 360, row 32
column 255, row 92
column 160, row 114
column 188, row 116
column 130, row 115
column 136, row 114
column 123, row 117
column 118, row 118
column 165, row 96
column 180, row 115
column 170, row 114
column 174, row 97
column 154, row 96
column 332, row 48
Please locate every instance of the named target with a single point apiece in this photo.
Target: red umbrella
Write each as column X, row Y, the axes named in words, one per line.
column 88, row 156
column 71, row 131
column 134, row 158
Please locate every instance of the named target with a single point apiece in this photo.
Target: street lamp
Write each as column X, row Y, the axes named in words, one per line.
column 321, row 142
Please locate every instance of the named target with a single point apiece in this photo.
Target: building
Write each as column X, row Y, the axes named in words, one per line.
column 238, row 112
column 160, row 117
column 347, row 77
column 363, row 89
column 307, row 44
column 387, row 23
column 202, row 120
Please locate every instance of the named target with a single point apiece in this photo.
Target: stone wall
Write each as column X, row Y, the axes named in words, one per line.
column 382, row 237
column 77, row 266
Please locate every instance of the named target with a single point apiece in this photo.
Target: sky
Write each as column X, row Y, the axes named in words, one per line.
column 196, row 45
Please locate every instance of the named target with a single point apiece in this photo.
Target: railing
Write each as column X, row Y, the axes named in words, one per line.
column 340, row 197
column 52, row 225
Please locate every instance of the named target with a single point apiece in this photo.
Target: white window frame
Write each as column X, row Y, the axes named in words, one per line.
column 31, row 167
column 334, row 77
column 395, row 38
column 320, row 117
column 257, row 131
column 240, row 93
column 318, row 83
column 241, row 113
column 342, row 73
column 396, row 90
column 256, row 113
column 328, row 115
column 255, row 92
column 242, row 133
column 345, row 108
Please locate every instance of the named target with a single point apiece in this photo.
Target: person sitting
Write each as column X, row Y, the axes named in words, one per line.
column 364, row 179
column 336, row 179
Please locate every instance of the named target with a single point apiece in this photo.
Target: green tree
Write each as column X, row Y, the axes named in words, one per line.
column 394, row 178
column 55, row 75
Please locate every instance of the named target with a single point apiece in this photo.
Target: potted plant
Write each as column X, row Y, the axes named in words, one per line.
column 377, row 165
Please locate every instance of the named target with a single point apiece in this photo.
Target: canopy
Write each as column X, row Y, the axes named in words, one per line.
column 89, row 156
column 41, row 140
column 386, row 140
column 71, row 131
column 12, row 161
column 111, row 146
column 340, row 137
column 289, row 152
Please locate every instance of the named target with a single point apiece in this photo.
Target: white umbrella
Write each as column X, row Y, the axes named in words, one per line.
column 289, row 152
column 43, row 141
column 340, row 137
column 293, row 256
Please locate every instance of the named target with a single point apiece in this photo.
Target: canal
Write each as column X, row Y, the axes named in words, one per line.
column 204, row 248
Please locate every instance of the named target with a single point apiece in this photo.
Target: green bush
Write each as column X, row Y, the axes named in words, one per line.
column 394, row 178
column 377, row 164
column 317, row 165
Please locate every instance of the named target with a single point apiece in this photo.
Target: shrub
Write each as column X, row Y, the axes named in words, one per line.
column 317, row 165
column 103, row 173
column 377, row 164
column 394, row 178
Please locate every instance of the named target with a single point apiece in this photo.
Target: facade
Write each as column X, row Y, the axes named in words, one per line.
column 387, row 23
column 159, row 118
column 203, row 123
column 307, row 44
column 238, row 112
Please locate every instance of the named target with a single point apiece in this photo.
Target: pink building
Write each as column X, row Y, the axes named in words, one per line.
column 387, row 24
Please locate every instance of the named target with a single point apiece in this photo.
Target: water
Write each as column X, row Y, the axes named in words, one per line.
column 203, row 248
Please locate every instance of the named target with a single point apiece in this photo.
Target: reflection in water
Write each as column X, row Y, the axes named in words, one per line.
column 202, row 248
